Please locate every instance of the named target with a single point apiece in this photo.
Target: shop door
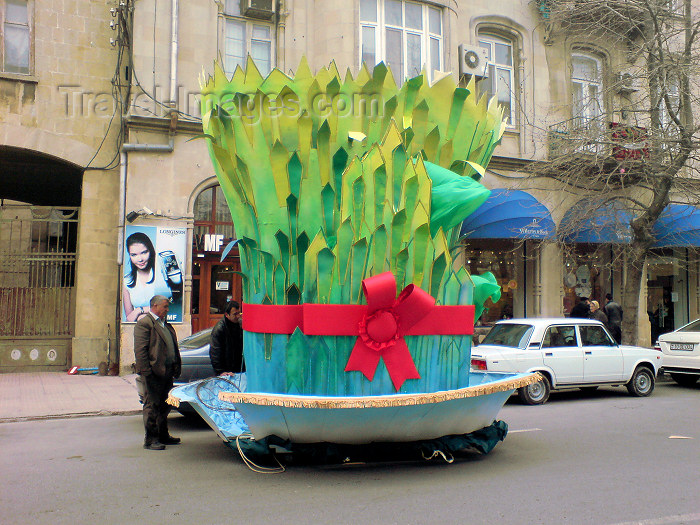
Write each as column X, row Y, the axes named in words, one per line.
column 213, row 285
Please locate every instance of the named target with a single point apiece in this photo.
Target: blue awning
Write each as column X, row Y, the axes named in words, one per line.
column 678, row 226
column 509, row 214
column 587, row 223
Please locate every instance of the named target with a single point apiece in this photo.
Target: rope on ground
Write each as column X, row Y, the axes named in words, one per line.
column 253, row 466
column 440, row 453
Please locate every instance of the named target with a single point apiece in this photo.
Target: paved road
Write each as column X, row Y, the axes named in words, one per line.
column 600, row 458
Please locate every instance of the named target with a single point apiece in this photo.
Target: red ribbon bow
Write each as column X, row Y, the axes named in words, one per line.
column 380, row 326
column 382, row 329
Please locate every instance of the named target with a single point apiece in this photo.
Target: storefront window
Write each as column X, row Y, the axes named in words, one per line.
column 586, row 274
column 667, row 301
column 498, row 257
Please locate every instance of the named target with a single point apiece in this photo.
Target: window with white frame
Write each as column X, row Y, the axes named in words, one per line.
column 16, row 36
column 407, row 36
column 500, row 80
column 243, row 37
column 587, row 89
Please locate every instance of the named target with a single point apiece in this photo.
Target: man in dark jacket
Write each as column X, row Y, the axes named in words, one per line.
column 157, row 362
column 226, row 348
column 582, row 309
column 614, row 312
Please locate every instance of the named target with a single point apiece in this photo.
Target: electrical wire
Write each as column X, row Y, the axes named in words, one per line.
column 123, row 39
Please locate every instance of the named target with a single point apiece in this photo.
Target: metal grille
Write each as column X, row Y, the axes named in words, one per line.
column 37, row 270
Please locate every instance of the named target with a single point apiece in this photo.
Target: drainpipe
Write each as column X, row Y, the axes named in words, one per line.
column 281, row 18
column 173, row 52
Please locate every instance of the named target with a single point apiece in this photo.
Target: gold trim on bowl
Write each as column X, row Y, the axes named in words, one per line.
column 288, row 401
column 173, row 401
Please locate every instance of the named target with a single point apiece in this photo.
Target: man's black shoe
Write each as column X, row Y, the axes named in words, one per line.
column 154, row 445
column 170, row 440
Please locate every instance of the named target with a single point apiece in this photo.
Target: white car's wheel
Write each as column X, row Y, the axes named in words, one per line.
column 642, row 382
column 536, row 393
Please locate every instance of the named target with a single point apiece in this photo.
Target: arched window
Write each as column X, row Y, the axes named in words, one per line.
column 211, row 214
column 500, row 81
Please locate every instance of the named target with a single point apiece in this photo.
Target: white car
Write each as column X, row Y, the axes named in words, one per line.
column 681, row 349
column 567, row 353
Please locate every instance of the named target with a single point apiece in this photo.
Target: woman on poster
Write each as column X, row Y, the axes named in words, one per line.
column 145, row 279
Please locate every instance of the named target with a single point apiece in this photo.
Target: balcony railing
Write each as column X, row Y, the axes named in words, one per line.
column 599, row 140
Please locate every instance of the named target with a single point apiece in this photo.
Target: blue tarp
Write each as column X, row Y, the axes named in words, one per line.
column 678, row 226
column 203, row 397
column 585, row 223
column 509, row 214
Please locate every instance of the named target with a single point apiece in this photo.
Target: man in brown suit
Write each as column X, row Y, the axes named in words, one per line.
column 157, row 362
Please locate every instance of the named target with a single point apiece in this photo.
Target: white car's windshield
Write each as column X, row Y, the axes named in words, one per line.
column 512, row 335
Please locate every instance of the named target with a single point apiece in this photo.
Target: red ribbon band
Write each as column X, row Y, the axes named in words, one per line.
column 380, row 326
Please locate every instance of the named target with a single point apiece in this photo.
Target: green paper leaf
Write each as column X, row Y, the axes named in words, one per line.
column 485, row 286
column 379, row 249
column 453, row 198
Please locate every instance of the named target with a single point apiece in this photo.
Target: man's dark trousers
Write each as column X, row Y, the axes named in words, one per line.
column 155, row 409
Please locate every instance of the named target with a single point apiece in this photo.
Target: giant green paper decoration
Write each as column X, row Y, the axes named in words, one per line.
column 330, row 181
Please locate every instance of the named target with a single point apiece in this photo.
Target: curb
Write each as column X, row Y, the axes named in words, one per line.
column 100, row 413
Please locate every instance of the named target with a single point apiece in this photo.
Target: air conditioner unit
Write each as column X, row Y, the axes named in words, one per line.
column 626, row 83
column 261, row 9
column 473, row 61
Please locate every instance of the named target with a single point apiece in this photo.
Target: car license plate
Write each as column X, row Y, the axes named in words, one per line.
column 687, row 347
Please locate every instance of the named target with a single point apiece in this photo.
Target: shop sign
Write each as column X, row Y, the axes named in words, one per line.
column 534, row 229
column 222, row 285
column 209, row 242
column 213, row 242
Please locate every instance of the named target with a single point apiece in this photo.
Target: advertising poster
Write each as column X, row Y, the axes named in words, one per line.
column 153, row 265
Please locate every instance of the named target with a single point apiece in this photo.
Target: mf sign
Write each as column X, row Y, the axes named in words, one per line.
column 213, row 242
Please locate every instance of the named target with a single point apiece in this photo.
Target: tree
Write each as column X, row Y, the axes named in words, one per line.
column 631, row 145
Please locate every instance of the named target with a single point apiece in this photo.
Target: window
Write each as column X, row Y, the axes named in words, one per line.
column 407, row 36
column 595, row 336
column 243, row 37
column 212, row 215
column 500, row 80
column 559, row 336
column 16, row 36
column 512, row 335
column 587, row 89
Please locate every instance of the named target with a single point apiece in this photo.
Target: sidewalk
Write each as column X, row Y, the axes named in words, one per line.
column 46, row 395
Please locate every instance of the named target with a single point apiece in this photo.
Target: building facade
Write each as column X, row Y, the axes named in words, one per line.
column 155, row 183
column 59, row 126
